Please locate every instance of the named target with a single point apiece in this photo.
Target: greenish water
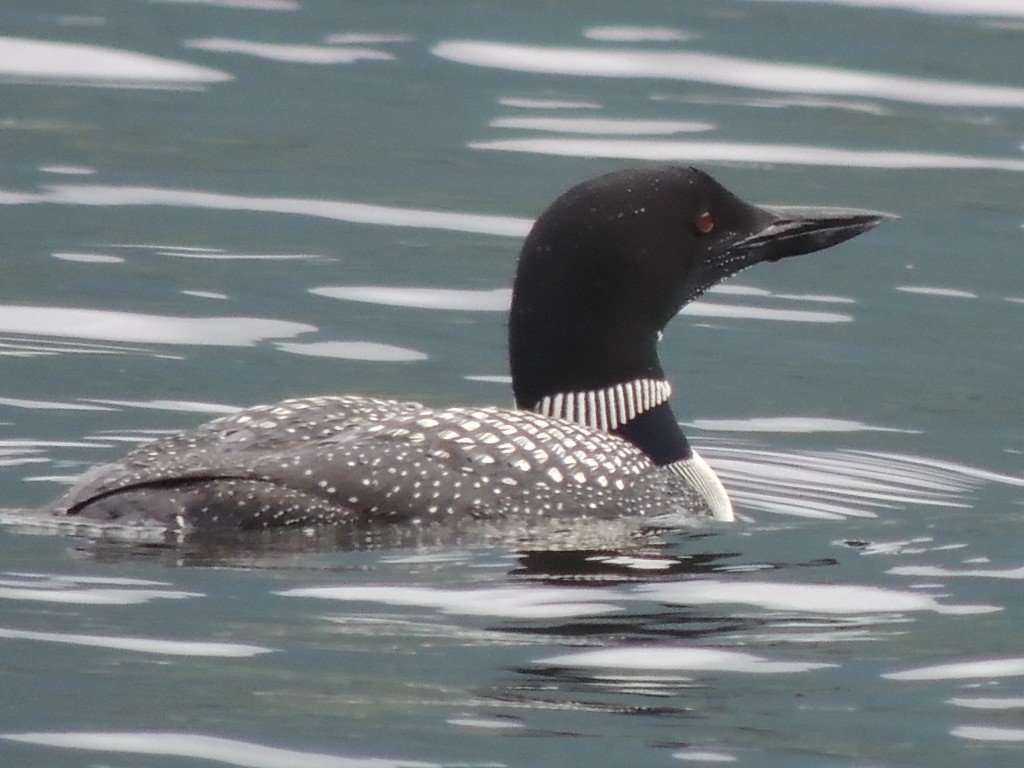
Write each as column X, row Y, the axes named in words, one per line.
column 297, row 197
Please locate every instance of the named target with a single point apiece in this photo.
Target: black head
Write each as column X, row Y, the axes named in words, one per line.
column 612, row 260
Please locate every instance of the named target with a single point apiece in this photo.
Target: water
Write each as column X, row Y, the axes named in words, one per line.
column 299, row 197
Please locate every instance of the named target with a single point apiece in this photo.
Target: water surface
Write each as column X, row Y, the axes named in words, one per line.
column 207, row 205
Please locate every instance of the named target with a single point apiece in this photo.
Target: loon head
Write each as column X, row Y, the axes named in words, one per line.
column 613, row 260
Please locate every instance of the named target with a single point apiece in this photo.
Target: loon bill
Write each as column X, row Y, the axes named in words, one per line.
column 602, row 272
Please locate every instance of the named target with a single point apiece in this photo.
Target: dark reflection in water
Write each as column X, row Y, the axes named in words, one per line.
column 557, row 550
column 583, row 552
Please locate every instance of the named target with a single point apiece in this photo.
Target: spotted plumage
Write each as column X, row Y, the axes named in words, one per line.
column 350, row 458
column 602, row 272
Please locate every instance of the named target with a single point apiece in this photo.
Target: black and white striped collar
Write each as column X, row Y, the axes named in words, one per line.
column 609, row 408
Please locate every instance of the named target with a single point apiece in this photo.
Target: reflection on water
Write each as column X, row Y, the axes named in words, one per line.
column 89, row 258
column 197, row 746
column 987, row 668
column 864, row 611
column 304, row 54
column 40, row 61
column 598, row 126
column 497, row 300
column 113, row 325
column 354, row 350
column 337, row 210
column 638, row 34
column 1003, row 8
column 724, row 70
column 831, row 485
column 547, row 103
column 1010, row 702
column 82, row 591
column 506, row 602
column 790, row 424
column 738, row 152
column 821, row 599
column 771, row 598
column 989, row 733
column 667, row 659
column 160, row 647
column 247, row 5
column 952, row 293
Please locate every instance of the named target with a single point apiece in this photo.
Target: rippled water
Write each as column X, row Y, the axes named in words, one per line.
column 211, row 204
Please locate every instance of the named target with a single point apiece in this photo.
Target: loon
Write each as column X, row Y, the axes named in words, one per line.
column 593, row 436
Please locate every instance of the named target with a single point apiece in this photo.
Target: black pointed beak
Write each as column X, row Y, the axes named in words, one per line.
column 795, row 230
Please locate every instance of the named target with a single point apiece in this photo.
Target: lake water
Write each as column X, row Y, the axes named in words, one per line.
column 206, row 205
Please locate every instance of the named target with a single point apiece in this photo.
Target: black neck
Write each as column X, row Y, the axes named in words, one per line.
column 579, row 321
column 656, row 432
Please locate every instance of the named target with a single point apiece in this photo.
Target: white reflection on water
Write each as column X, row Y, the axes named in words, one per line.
column 832, row 485
column 301, row 54
column 68, row 170
column 489, row 724
column 738, row 289
column 925, row 290
column 47, row 405
column 497, row 300
column 507, row 602
column 791, row 424
column 725, row 70
column 110, row 325
column 41, row 61
column 519, row 103
column 944, row 7
column 992, row 703
column 247, row 5
column 20, row 347
column 199, row 747
column 598, row 126
column 963, row 670
column 75, row 590
column 703, row 756
column 336, row 210
column 366, row 38
column 941, row 572
column 213, row 254
column 989, row 733
column 715, row 309
column 18, row 453
column 540, row 602
column 192, row 648
column 779, row 102
column 637, row 34
column 354, row 350
column 89, row 258
column 824, row 599
column 661, row 658
column 183, row 406
column 738, row 152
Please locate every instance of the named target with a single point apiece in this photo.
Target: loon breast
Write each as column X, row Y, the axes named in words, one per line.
column 603, row 270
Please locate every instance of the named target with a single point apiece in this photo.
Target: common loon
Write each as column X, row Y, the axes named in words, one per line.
column 601, row 273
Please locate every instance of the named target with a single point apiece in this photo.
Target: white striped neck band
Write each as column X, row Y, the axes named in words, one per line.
column 609, row 408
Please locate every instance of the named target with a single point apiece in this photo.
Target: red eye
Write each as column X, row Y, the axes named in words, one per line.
column 705, row 222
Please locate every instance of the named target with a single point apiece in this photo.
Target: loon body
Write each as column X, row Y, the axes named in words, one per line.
column 602, row 272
